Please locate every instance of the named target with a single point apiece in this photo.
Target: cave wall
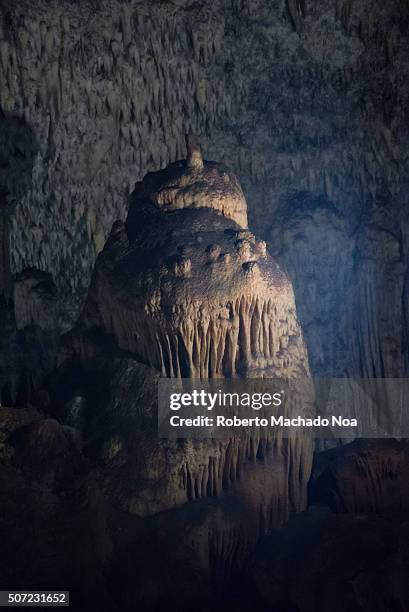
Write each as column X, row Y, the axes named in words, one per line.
column 111, row 89
column 307, row 102
column 297, row 97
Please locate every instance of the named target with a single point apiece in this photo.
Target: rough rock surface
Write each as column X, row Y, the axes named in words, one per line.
column 350, row 283
column 308, row 103
column 143, row 475
column 365, row 476
column 35, row 300
column 302, row 100
column 192, row 294
column 312, row 241
column 195, row 183
column 295, row 97
column 185, row 290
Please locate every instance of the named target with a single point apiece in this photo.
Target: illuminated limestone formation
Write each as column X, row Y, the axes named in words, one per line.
column 252, row 478
column 195, row 183
column 190, row 291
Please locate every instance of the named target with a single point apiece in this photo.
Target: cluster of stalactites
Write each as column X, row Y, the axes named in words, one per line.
column 250, row 335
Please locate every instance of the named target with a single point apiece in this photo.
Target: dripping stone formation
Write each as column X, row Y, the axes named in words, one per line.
column 181, row 289
column 308, row 104
column 187, row 288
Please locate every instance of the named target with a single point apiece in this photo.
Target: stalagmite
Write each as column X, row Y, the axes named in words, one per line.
column 186, row 288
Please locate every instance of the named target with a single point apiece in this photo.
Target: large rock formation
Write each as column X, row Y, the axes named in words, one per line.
column 103, row 99
column 143, row 475
column 183, row 288
column 295, row 96
column 187, row 290
column 309, row 103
